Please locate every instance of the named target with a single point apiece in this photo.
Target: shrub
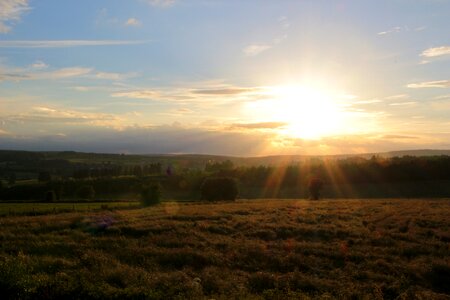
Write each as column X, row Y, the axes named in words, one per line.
column 315, row 186
column 86, row 192
column 219, row 188
column 151, row 194
column 50, row 196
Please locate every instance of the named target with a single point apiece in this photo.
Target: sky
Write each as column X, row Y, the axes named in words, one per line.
column 226, row 77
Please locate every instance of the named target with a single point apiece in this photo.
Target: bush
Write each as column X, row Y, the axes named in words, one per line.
column 50, row 196
column 151, row 194
column 219, row 188
column 86, row 192
column 315, row 186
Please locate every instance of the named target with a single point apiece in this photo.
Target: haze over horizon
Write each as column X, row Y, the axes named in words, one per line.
column 225, row 77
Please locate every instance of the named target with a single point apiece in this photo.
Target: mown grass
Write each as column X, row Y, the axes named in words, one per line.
column 277, row 249
column 15, row 209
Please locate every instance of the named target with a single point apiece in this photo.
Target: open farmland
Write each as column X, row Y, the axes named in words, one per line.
column 274, row 249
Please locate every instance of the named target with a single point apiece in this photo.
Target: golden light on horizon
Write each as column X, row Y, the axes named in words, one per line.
column 308, row 112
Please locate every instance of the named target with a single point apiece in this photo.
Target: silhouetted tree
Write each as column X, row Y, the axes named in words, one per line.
column 44, row 176
column 50, row 196
column 219, row 188
column 315, row 186
column 151, row 194
column 86, row 192
column 12, row 178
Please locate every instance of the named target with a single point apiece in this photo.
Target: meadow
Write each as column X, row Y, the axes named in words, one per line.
column 248, row 249
column 18, row 209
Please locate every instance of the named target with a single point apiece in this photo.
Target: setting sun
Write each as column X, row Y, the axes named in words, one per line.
column 308, row 112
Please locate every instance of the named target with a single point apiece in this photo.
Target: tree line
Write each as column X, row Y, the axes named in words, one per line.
column 406, row 176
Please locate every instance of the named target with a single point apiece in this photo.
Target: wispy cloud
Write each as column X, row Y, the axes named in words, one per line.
column 39, row 70
column 396, row 29
column 161, row 3
column 403, row 103
column 39, row 64
column 436, row 51
column 399, row 96
column 23, row 74
column 11, row 12
column 133, row 22
column 260, row 125
column 42, row 114
column 211, row 94
column 430, row 84
column 258, row 48
column 67, row 43
column 255, row 49
column 224, row 91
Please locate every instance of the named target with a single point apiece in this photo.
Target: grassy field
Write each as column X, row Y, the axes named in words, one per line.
column 277, row 249
column 15, row 209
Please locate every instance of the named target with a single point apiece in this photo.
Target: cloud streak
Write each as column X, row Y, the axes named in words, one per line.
column 133, row 22
column 67, row 43
column 436, row 51
column 161, row 3
column 430, row 84
column 255, row 49
column 11, row 12
column 260, row 125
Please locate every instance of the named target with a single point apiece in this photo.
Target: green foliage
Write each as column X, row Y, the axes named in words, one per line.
column 219, row 188
column 151, row 194
column 86, row 192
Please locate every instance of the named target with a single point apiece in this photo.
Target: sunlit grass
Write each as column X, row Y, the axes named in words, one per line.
column 362, row 249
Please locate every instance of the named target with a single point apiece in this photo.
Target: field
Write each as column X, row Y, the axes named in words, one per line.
column 264, row 249
column 14, row 209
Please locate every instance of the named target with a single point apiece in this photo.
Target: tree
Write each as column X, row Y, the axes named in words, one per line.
column 50, row 196
column 315, row 186
column 219, row 188
column 12, row 178
column 44, row 176
column 86, row 192
column 151, row 194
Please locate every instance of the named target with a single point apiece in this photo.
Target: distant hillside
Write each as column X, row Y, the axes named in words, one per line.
column 186, row 160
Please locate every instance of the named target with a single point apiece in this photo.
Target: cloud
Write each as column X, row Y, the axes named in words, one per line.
column 399, row 96
column 178, row 138
column 396, row 29
column 133, row 22
column 39, row 71
column 67, row 43
column 22, row 74
column 39, row 65
column 113, row 76
column 138, row 94
column 403, row 103
column 258, row 48
column 436, row 51
column 260, row 125
column 430, row 84
column 161, row 3
column 253, row 50
column 42, row 114
column 397, row 136
column 224, row 91
column 209, row 94
column 147, row 140
column 10, row 12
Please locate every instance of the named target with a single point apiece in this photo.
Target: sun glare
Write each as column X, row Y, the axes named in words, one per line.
column 309, row 113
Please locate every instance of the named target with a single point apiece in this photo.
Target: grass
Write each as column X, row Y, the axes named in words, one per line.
column 264, row 249
column 14, row 209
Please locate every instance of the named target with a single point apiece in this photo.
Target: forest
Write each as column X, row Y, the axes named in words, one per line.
column 71, row 176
